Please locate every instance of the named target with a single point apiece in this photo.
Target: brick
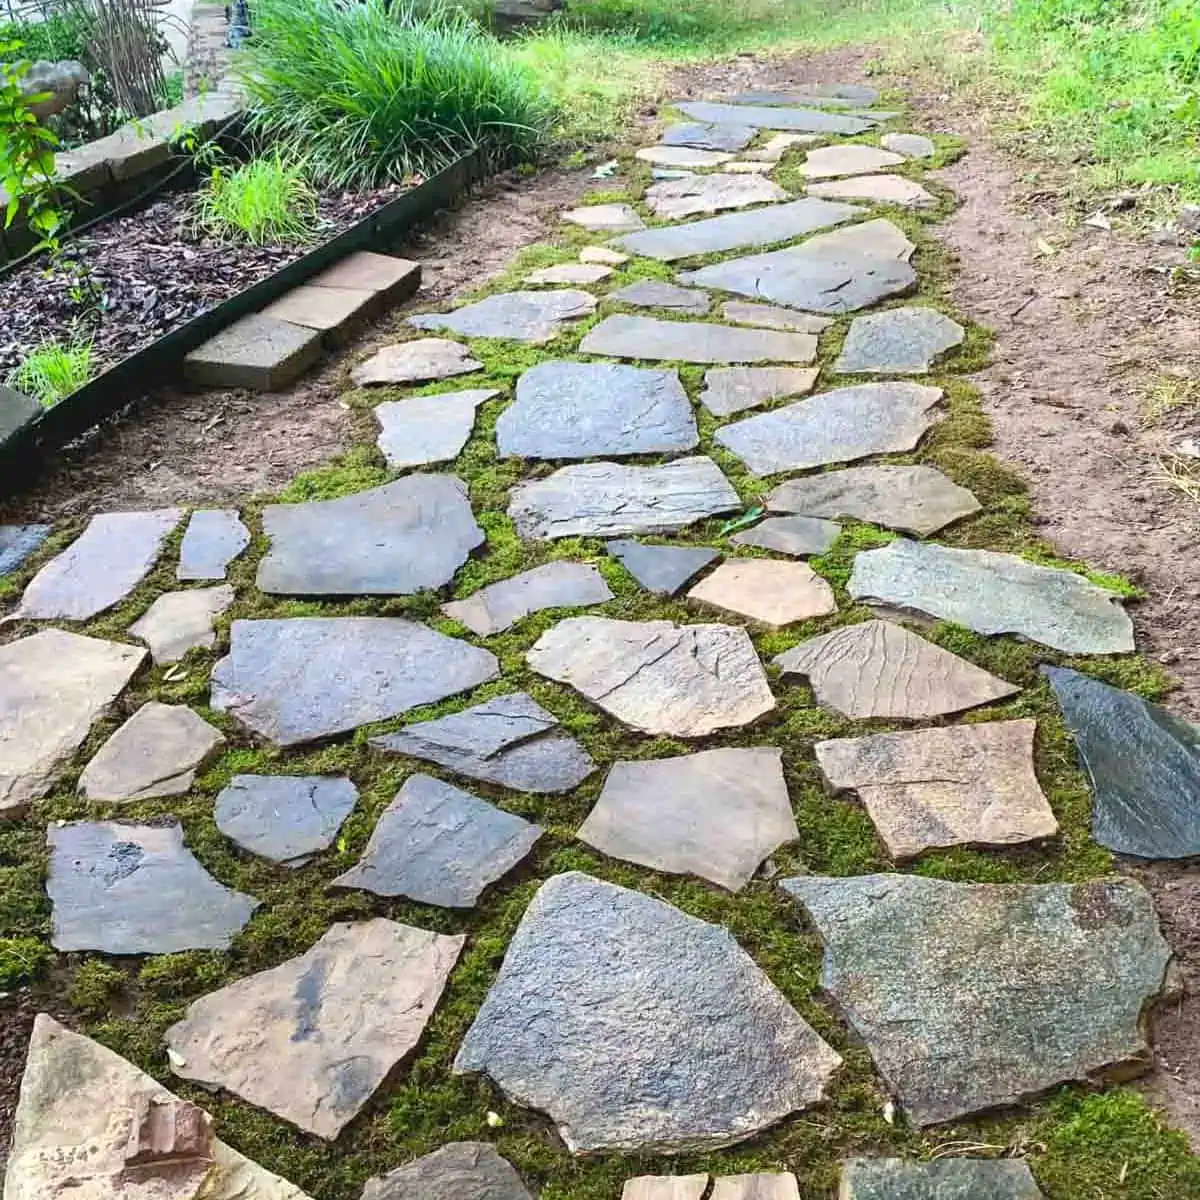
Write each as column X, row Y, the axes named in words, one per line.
column 258, row 352
column 393, row 279
column 329, row 309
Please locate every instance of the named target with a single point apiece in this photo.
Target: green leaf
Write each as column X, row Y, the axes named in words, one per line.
column 747, row 518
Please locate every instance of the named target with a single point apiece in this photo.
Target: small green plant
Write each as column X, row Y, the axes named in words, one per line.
column 21, row 959
column 54, row 370
column 94, row 986
column 267, row 201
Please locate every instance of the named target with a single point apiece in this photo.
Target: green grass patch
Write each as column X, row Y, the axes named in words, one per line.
column 266, row 201
column 53, row 370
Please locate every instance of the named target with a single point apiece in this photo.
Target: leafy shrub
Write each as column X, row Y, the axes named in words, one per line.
column 21, row 959
column 267, row 201
column 53, row 370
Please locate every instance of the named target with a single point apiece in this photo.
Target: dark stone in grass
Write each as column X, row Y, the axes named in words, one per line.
column 899, row 341
column 695, row 342
column 558, row 584
column 654, row 293
column 18, row 542
column 214, row 538
column 797, row 536
column 796, row 120
column 286, row 818
column 662, row 569
column 458, row 1171
column 945, row 1179
column 709, row 137
column 533, row 317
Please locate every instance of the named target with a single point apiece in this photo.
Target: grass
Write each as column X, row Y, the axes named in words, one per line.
column 53, row 370
column 266, row 201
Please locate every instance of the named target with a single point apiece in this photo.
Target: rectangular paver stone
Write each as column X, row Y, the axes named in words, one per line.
column 327, row 309
column 258, row 352
column 392, row 279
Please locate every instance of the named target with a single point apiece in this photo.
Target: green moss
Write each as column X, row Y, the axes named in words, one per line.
column 95, row 987
column 21, row 959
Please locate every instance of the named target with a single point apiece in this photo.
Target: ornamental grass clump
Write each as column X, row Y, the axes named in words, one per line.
column 265, row 202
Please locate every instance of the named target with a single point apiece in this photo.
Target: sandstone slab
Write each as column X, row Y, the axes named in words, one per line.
column 797, row 536
column 258, row 352
column 606, row 218
column 910, row 145
column 665, row 1187
column 286, row 818
column 682, row 156
column 748, row 167
column 655, row 293
column 389, row 278
column 707, row 136
column 181, row 621
column 828, row 162
column 695, row 342
column 532, row 317
column 213, row 539
column 763, row 1186
column 943, row 1179
column 602, row 255
column 420, row 361
column 555, row 585
column 729, row 390
column 771, row 316
column 423, row 430
column 674, row 199
column 574, row 273
column 662, row 569
column 766, row 590
column 795, row 120
column 773, row 150
column 328, row 309
column 875, row 189
column 458, row 1171
column 18, row 542
column 899, row 341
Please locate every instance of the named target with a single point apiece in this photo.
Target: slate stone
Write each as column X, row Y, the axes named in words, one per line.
column 312, row 1039
column 831, row 95
column 709, row 137
column 16, row 411
column 602, row 255
column 301, row 678
column 532, row 317
column 716, row 814
column 775, row 148
column 654, row 293
column 606, row 218
column 877, row 670
column 53, row 685
column 994, row 593
column 797, row 536
column 1142, row 764
column 769, row 1186
column 910, row 145
column 555, row 585
column 918, row 500
column 392, row 540
column 682, row 156
column 213, row 539
column 795, row 120
column 181, row 621
column 135, row 889
column 976, row 996
column 695, row 341
column 591, row 410
column 18, row 542
column 458, row 1171
column 665, row 1187
column 875, row 189
column 420, row 361
column 899, row 341
column 770, row 316
column 286, row 818
column 767, row 590
column 437, row 844
column 609, row 499
column 423, row 430
column 834, row 427
column 660, row 174
column 729, row 390
column 677, row 198
column 745, row 167
column 943, row 1179
column 656, row 677
column 663, row 570
column 828, row 162
column 100, row 568
column 614, row 1013
column 577, row 273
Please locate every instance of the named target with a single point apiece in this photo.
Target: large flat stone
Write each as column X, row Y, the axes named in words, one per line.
column 822, row 95
column 798, row 120
column 766, row 590
column 286, row 818
column 910, row 145
column 458, row 1171
column 610, row 499
column 181, row 621
column 662, row 569
column 656, row 677
column 773, row 150
column 533, row 317
column 716, row 814
column 771, row 316
column 797, row 536
column 875, row 189
column 606, row 218
column 393, row 540
column 943, row 1179
column 828, row 162
column 898, row 341
column 18, row 542
column 665, row 1187
column 555, row 585
column 994, row 593
column 328, row 309
column 419, row 361
column 602, row 255
column 569, row 272
column 423, row 430
column 674, row 199
column 682, row 156
column 391, row 279
column 729, row 390
column 615, row 1013
column 654, row 293
column 312, row 1039
column 258, row 352
column 213, row 539
column 707, row 136
column 977, row 996
column 780, row 1185
column 298, row 679
column 695, row 341
column 569, row 410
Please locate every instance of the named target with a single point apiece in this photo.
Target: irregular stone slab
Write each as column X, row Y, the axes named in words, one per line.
column 155, row 753
column 286, row 818
column 716, row 814
column 770, row 316
column 665, row 1187
column 458, row 1171
column 780, row 1186
column 392, row 540
column 312, row 1039
column 878, row 189
column 100, row 568
column 656, row 677
column 181, row 621
column 601, row 986
column 994, row 593
column 828, row 162
column 834, row 427
column 570, row 273
column 607, row 499
column 676, row 198
column 662, row 569
column 419, row 361
column 18, row 542
column 606, row 218
column 90, row 1125
column 423, row 430
column 899, row 341
column 682, row 156
column 767, row 590
column 729, row 390
column 775, row 148
column 695, row 341
column 748, row 168
column 1142, row 764
column 53, row 685
column 302, row 678
column 533, row 317
column 135, row 889
column 512, row 741
column 554, row 585
column 797, row 536
column 945, row 1179
column 437, row 844
column 828, row 95
column 703, row 136
column 796, row 120
column 654, row 293
column 974, row 996
column 602, row 255
column 213, row 539
column 590, row 410
column 909, row 145
column 918, row 500
column 879, row 670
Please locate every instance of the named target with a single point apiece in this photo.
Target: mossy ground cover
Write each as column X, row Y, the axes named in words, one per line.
column 1084, row 1144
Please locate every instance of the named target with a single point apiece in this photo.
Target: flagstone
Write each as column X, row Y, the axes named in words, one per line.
column 458, row 1171
column 978, row 996
column 942, row 1179
column 655, row 293
column 774, row 1186
column 771, row 316
column 899, row 341
column 910, row 145
column 18, row 542
column 767, row 590
column 662, row 569
column 286, row 818
column 748, row 167
column 606, row 218
column 570, row 273
column 500, row 606
column 795, row 120
column 775, row 148
column 695, row 341
column 702, row 136
column 420, row 361
column 532, row 317
column 665, row 1187
column 729, row 390
column 313, row 1038
column 181, row 621
column 877, row 189
column 833, row 95
column 423, row 430
column 797, row 536
column 602, row 255
column 602, row 986
column 828, row 162
column 677, row 198
column 659, row 174
column 213, row 539
column 682, row 156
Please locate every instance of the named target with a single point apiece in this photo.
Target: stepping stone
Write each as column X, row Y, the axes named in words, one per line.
column 213, row 539
column 18, row 542
column 458, row 1171
column 499, row 607
column 1142, row 763
column 682, row 156
column 312, row 1039
column 592, row 410
column 695, row 341
column 511, row 741
column 834, row 427
column 181, row 621
column 770, row 316
column 665, row 1187
column 657, row 677
column 909, row 145
column 945, row 1179
column 606, row 218
column 748, row 168
column 135, row 889
column 710, row 137
column 797, row 536
column 879, row 670
column 716, row 814
column 259, row 352
column 738, row 231
column 53, row 685
column 767, row 590
column 286, row 818
column 900, row 341
column 654, row 293
column 532, row 317
column 664, row 570
column 678, row 198
column 302, row 678
column 437, row 844
column 729, row 390
column 602, row 255
column 389, row 278
column 775, row 148
column 993, row 593
column 610, row 499
column 570, row 273
column 423, row 430
column 978, row 996
column 877, row 189
column 100, row 568
column 918, row 500
column 828, row 162
column 831, row 95
column 600, row 987
column 780, row 1186
column 157, row 752
column 392, row 540
column 90, row 1124
column 327, row 309
column 419, row 361
column 795, row 120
